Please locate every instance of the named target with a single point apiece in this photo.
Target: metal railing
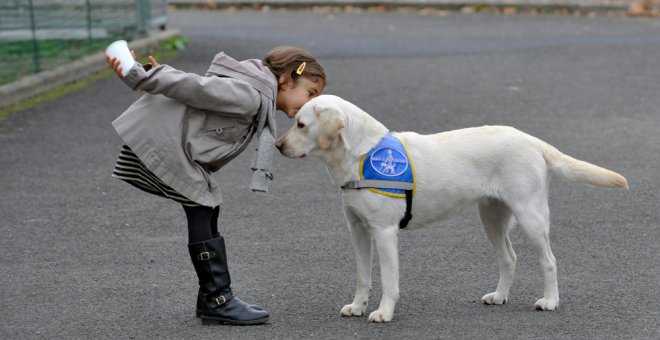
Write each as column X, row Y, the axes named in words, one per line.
column 37, row 35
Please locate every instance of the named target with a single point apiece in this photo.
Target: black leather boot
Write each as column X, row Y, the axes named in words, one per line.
column 200, row 299
column 200, row 304
column 219, row 306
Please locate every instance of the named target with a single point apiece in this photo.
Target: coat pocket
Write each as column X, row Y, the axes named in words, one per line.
column 227, row 133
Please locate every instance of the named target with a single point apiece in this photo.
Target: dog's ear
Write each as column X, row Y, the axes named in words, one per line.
column 330, row 123
column 318, row 108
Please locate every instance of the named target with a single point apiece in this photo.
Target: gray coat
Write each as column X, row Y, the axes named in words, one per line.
column 187, row 126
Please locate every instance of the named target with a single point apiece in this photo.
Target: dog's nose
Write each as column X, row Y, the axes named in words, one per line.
column 278, row 145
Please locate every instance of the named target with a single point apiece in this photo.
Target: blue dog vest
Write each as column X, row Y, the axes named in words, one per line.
column 389, row 161
column 388, row 170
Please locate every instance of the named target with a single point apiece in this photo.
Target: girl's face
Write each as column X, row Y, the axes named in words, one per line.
column 293, row 95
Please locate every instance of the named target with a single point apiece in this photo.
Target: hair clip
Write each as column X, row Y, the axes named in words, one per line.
column 301, row 68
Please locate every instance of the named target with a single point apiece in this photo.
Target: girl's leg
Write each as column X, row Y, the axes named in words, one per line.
column 199, row 223
column 214, row 221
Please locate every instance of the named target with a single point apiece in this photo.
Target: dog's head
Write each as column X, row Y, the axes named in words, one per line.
column 316, row 128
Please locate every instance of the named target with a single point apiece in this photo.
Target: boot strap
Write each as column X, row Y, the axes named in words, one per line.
column 222, row 298
column 207, row 255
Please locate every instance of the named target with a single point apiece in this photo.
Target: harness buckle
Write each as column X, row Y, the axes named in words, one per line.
column 351, row 185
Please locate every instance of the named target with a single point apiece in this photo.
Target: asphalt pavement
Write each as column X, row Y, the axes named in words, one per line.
column 85, row 256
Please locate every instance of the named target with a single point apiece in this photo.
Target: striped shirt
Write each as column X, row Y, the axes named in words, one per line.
column 131, row 169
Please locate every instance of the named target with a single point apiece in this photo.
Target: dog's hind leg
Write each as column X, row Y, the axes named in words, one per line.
column 362, row 245
column 534, row 218
column 388, row 255
column 496, row 219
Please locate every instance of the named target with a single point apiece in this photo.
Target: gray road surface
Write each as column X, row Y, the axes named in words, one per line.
column 84, row 256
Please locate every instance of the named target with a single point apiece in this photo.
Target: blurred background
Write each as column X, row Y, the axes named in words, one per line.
column 37, row 35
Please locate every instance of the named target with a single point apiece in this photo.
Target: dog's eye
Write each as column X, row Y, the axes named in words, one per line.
column 301, row 125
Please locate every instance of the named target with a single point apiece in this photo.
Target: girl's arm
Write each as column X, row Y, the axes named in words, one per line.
column 227, row 95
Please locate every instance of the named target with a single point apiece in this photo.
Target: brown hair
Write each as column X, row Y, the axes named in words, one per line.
column 287, row 59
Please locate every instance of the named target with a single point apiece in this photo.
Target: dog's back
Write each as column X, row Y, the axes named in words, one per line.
column 459, row 168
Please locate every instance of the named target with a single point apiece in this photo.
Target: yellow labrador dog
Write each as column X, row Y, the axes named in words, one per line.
column 501, row 170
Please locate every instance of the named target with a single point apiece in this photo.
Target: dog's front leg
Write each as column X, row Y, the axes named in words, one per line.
column 388, row 256
column 361, row 240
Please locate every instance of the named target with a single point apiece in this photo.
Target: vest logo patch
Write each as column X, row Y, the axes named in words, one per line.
column 389, row 162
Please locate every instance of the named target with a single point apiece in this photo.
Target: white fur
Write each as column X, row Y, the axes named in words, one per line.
column 501, row 170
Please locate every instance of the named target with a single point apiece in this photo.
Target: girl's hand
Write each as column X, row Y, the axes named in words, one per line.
column 116, row 66
column 152, row 60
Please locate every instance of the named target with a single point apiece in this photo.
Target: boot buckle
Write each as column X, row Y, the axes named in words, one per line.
column 220, row 300
column 207, row 255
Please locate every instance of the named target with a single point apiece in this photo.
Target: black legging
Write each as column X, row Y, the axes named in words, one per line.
column 202, row 223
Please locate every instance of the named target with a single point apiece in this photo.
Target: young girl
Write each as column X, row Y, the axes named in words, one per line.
column 187, row 126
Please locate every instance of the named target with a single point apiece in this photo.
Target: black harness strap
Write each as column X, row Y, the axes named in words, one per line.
column 408, row 215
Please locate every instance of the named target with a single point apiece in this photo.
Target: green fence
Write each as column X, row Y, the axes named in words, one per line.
column 37, row 35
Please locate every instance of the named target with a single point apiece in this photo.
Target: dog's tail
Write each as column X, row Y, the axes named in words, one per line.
column 580, row 171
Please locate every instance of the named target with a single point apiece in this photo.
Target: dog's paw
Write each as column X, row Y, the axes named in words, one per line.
column 547, row 304
column 352, row 310
column 494, row 299
column 380, row 316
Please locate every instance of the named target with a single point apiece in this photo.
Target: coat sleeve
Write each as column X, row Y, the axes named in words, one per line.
column 222, row 94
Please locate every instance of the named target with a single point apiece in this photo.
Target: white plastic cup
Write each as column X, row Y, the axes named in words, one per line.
column 119, row 49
